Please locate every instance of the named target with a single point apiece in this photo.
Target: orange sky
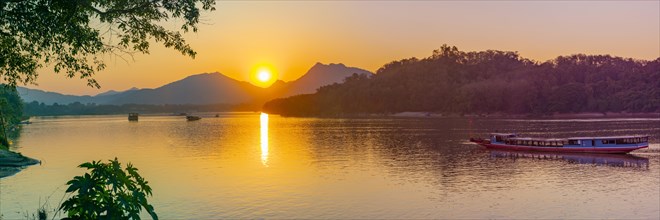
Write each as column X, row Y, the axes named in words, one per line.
column 292, row 36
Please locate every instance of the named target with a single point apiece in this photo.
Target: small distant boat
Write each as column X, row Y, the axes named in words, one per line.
column 25, row 123
column 217, row 115
column 133, row 116
column 192, row 118
column 608, row 144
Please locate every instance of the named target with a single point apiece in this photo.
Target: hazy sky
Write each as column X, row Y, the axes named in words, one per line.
column 292, row 36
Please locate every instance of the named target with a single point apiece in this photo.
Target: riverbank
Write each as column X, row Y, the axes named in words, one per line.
column 581, row 115
column 501, row 115
column 12, row 162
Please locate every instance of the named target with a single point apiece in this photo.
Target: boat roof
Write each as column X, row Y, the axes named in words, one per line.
column 538, row 139
column 503, row 134
column 576, row 138
column 569, row 138
column 608, row 137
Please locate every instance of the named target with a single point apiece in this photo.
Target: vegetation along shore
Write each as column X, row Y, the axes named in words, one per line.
column 451, row 81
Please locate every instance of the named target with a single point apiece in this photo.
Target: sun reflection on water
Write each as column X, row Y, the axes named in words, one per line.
column 264, row 138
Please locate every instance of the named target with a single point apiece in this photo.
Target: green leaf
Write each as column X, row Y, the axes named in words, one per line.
column 108, row 192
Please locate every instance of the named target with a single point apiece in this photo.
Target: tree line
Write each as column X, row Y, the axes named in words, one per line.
column 11, row 113
column 11, row 105
column 40, row 109
column 484, row 82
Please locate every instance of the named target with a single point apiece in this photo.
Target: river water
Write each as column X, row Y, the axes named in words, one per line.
column 251, row 165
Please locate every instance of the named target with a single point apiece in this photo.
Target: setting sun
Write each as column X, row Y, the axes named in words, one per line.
column 264, row 75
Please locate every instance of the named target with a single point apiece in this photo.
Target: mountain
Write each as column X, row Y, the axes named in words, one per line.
column 48, row 98
column 206, row 88
column 321, row 75
column 113, row 92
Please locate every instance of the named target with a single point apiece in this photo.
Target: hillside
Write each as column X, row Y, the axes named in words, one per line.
column 453, row 81
column 48, row 98
column 205, row 89
column 113, row 92
column 321, row 75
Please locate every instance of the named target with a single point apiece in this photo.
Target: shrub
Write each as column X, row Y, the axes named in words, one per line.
column 108, row 192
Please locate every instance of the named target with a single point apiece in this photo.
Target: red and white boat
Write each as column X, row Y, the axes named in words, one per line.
column 609, row 144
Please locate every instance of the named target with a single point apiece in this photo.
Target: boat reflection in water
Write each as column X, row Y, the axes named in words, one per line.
column 615, row 160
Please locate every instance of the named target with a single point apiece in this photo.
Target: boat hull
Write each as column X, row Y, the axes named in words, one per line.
column 599, row 150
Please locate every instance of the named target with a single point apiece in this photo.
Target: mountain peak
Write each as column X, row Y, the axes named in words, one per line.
column 114, row 92
column 330, row 65
column 203, row 75
column 322, row 74
column 207, row 77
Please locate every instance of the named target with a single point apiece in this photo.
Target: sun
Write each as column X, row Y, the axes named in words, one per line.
column 264, row 75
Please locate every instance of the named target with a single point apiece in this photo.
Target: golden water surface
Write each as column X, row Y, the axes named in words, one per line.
column 253, row 165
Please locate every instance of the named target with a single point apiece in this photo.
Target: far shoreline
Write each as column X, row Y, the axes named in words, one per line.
column 583, row 115
column 408, row 114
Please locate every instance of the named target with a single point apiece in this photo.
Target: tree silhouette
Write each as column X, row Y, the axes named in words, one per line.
column 454, row 81
column 71, row 34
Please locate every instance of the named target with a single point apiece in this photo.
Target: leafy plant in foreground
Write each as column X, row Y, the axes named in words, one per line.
column 108, row 192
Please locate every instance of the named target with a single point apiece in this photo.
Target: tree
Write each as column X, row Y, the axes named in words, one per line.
column 453, row 81
column 11, row 105
column 72, row 34
column 11, row 112
column 108, row 192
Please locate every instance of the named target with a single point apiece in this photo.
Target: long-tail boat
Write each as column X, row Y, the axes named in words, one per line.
column 607, row 144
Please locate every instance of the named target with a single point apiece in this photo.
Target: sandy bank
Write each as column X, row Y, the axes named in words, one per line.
column 11, row 162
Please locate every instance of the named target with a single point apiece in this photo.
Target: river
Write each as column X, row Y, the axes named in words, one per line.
column 251, row 165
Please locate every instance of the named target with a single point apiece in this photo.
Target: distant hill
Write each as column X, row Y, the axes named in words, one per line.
column 48, row 98
column 321, row 75
column 205, row 88
column 113, row 92
column 488, row 82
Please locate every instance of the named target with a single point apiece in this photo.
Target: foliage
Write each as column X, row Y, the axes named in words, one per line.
column 11, row 112
column 108, row 192
column 73, row 34
column 41, row 214
column 453, row 81
column 11, row 105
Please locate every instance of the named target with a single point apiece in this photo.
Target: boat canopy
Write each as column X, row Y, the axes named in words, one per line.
column 503, row 134
column 541, row 142
column 633, row 139
column 608, row 137
column 537, row 139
